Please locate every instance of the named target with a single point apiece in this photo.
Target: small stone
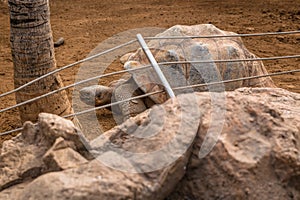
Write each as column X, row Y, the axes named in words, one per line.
column 250, row 29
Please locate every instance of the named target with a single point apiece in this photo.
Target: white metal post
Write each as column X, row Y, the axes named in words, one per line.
column 155, row 66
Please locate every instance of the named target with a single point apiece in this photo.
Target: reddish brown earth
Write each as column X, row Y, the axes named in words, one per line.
column 85, row 24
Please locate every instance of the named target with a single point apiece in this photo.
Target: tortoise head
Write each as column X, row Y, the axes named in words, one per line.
column 96, row 95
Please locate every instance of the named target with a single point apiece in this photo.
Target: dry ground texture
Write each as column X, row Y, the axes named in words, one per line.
column 85, row 24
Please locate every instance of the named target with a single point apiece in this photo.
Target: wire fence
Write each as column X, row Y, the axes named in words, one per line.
column 148, row 66
column 156, row 92
column 181, row 88
column 225, row 36
column 135, row 40
column 141, row 68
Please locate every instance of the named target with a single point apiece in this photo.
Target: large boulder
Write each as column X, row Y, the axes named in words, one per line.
column 243, row 144
column 121, row 175
column 258, row 152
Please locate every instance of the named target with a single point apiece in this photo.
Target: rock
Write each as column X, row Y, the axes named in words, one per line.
column 62, row 156
column 12, row 192
column 90, row 181
column 168, row 134
column 63, row 159
column 20, row 158
column 54, row 127
column 26, row 156
column 59, row 42
column 243, row 144
column 250, row 29
column 258, row 152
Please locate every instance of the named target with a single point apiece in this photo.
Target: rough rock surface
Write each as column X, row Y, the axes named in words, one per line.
column 32, row 153
column 257, row 155
column 94, row 180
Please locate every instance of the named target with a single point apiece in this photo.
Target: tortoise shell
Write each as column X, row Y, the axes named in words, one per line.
column 196, row 49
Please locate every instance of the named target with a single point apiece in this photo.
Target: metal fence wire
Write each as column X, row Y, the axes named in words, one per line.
column 148, row 66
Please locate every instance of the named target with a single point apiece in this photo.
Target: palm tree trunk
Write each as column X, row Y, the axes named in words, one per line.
column 33, row 56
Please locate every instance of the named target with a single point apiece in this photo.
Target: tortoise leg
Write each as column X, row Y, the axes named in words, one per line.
column 129, row 108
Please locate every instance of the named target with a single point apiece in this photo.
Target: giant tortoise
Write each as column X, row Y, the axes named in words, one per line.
column 178, row 59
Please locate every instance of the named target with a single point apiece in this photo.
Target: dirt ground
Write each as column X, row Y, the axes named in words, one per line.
column 85, row 24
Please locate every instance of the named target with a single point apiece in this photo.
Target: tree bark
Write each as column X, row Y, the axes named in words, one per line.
column 33, row 55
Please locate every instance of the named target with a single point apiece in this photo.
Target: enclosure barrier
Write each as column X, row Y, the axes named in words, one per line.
column 148, row 66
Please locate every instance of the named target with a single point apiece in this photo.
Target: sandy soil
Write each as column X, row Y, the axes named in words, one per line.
column 85, row 24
